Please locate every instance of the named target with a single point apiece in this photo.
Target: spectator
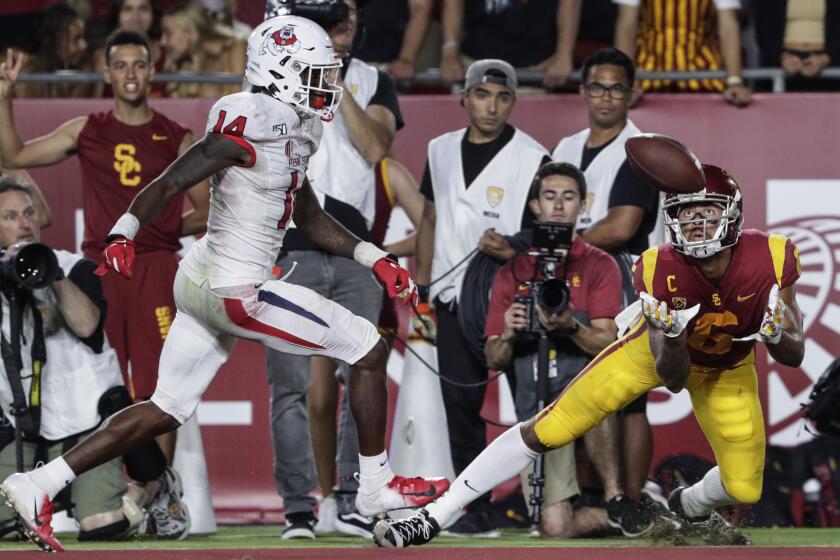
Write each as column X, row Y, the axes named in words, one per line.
column 19, row 22
column 394, row 187
column 342, row 173
column 519, row 33
column 195, row 42
column 23, row 178
column 60, row 45
column 801, row 36
column 138, row 16
column 581, row 331
column 61, row 330
column 225, row 11
column 395, row 31
column 461, row 183
column 120, row 151
column 671, row 41
column 621, row 213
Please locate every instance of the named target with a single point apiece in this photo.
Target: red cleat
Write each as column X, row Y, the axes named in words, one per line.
column 400, row 493
column 24, row 497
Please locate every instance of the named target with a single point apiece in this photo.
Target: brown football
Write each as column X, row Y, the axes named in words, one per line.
column 665, row 163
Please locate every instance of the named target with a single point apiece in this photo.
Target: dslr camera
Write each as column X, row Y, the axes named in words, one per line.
column 28, row 264
column 326, row 13
column 551, row 244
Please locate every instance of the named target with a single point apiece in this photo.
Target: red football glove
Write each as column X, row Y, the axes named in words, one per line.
column 118, row 255
column 396, row 280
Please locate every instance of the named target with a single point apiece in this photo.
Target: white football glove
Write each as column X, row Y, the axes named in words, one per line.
column 669, row 321
column 771, row 327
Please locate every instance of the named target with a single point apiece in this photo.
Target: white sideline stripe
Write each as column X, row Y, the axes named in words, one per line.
column 225, row 413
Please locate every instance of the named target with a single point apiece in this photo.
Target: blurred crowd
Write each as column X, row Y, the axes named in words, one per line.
column 404, row 37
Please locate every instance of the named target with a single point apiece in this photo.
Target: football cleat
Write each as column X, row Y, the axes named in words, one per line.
column 631, row 518
column 418, row 529
column 399, row 493
column 714, row 529
column 33, row 508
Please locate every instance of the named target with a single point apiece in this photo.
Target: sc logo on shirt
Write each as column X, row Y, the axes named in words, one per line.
column 127, row 167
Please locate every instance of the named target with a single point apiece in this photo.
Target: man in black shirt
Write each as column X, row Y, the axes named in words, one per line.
column 476, row 179
column 621, row 214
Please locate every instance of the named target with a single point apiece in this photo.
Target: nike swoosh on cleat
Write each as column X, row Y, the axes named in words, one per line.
column 35, row 512
column 467, row 484
column 428, row 492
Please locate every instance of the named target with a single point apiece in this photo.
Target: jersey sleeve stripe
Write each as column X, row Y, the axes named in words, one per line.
column 245, row 144
column 777, row 253
column 649, row 259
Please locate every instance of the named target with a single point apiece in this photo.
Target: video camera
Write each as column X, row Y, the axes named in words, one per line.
column 28, row 265
column 551, row 244
column 326, row 13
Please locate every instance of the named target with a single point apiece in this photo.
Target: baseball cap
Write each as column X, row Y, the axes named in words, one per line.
column 477, row 73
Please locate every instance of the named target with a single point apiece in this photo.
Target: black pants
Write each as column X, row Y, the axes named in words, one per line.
column 467, row 430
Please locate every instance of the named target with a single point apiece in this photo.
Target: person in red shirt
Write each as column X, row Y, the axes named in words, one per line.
column 705, row 299
column 578, row 333
column 120, row 152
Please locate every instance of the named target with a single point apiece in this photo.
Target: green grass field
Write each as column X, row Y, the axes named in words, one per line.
column 267, row 536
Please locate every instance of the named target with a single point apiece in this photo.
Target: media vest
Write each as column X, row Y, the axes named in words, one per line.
column 74, row 376
column 495, row 199
column 600, row 176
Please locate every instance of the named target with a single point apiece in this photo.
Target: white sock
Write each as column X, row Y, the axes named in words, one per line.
column 708, row 494
column 374, row 472
column 500, row 461
column 53, row 476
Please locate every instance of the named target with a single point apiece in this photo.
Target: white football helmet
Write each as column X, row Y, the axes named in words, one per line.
column 293, row 59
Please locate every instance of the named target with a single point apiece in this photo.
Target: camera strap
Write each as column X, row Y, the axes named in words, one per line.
column 27, row 414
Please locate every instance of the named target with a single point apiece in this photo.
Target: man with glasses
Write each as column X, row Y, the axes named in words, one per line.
column 620, row 214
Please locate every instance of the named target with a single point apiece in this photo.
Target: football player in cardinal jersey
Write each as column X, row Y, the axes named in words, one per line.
column 705, row 298
column 256, row 149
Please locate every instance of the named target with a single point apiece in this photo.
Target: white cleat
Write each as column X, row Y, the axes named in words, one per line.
column 33, row 509
column 400, row 493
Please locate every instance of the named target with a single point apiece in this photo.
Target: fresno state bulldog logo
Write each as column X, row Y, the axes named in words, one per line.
column 282, row 41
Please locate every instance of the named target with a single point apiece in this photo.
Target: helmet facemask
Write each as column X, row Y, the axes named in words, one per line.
column 725, row 235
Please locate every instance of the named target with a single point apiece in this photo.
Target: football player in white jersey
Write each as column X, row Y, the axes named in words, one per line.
column 256, row 149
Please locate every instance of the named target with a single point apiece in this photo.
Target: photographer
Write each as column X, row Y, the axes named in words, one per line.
column 578, row 332
column 58, row 327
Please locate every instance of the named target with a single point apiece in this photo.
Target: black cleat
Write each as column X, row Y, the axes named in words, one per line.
column 418, row 529
column 714, row 529
column 632, row 519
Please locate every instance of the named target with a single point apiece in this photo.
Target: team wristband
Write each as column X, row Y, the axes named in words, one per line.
column 366, row 254
column 127, row 226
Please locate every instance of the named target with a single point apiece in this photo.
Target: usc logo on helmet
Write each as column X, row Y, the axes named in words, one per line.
column 126, row 165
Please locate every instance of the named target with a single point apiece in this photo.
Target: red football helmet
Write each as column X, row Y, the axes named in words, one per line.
column 721, row 190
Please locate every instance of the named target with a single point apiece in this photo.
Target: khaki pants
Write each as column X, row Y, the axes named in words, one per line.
column 560, row 477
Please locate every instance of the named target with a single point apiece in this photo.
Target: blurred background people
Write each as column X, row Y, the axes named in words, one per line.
column 659, row 35
column 194, row 41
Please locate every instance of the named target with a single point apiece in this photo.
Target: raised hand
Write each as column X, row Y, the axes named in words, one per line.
column 9, row 72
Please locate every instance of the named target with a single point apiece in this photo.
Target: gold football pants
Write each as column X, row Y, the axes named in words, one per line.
column 725, row 402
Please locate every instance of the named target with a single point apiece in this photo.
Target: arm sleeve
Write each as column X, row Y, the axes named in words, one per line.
column 630, row 190
column 501, row 297
column 386, row 95
column 605, row 291
column 83, row 277
column 426, row 184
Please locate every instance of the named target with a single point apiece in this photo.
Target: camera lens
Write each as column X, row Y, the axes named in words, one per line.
column 553, row 296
